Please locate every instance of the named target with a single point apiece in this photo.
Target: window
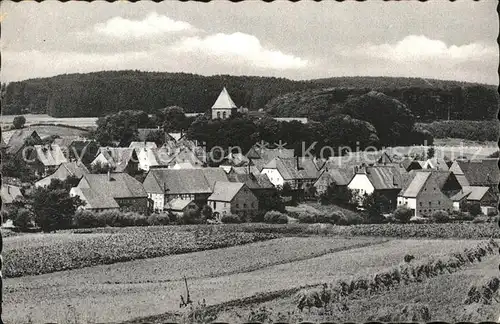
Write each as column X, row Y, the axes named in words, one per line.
column 224, row 115
column 420, row 203
column 218, row 114
column 244, row 205
column 430, row 203
column 237, row 205
column 439, row 203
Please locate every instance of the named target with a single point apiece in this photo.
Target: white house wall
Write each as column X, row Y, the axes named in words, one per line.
column 274, row 176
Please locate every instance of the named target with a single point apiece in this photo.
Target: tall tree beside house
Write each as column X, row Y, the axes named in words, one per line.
column 120, row 127
column 337, row 195
column 374, row 204
column 53, row 208
column 431, row 152
column 192, row 215
column 19, row 122
column 172, row 119
column 16, row 167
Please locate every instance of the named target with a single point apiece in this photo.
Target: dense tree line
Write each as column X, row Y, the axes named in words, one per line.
column 465, row 129
column 102, row 93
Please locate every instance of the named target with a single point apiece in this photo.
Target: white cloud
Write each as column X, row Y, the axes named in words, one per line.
column 239, row 48
column 414, row 48
column 152, row 25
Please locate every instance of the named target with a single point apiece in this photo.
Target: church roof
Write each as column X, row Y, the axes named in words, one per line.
column 224, row 101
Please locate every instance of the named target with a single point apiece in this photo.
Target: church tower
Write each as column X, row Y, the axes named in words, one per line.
column 224, row 106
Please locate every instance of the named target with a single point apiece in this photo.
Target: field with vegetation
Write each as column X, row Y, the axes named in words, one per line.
column 50, row 130
column 486, row 130
column 6, row 120
column 152, row 284
column 44, row 253
column 443, row 296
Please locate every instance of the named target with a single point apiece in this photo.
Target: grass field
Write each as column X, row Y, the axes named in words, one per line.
column 6, row 120
column 49, row 130
column 121, row 291
column 444, row 295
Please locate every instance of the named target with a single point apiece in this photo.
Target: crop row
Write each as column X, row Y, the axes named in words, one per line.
column 32, row 255
column 437, row 231
column 404, row 273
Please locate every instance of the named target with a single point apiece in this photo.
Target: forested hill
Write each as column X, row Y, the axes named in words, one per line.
column 99, row 93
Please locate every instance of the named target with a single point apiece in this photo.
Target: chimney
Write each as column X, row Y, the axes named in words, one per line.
column 297, row 160
column 109, row 174
column 8, row 190
column 394, row 180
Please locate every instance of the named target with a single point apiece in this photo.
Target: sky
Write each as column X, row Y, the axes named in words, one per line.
column 304, row 40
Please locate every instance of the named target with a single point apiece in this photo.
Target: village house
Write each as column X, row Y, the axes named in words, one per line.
column 77, row 148
column 485, row 197
column 244, row 170
column 267, row 154
column 259, row 184
column 410, row 163
column 437, row 164
column 298, row 172
column 65, row 170
column 483, row 173
column 163, row 185
column 16, row 141
column 45, row 159
column 384, row 180
column 233, row 198
column 224, row 106
column 338, row 177
column 178, row 206
column 185, row 159
column 9, row 193
column 429, row 191
column 118, row 191
column 149, row 155
column 119, row 159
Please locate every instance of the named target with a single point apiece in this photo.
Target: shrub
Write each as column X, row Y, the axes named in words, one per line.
column 440, row 216
column 460, row 215
column 23, row 219
column 87, row 219
column 192, row 215
column 275, row 217
column 230, row 219
column 19, row 122
column 403, row 214
column 473, row 209
column 305, row 217
column 480, row 219
column 332, row 218
column 159, row 219
column 493, row 212
column 350, row 219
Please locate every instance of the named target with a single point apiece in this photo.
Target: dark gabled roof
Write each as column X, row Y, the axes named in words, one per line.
column 65, row 170
column 480, row 172
column 341, row 177
column 421, row 177
column 118, row 157
column 438, row 164
column 251, row 180
column 385, row 177
column 183, row 181
column 294, row 168
column 225, row 191
column 16, row 140
column 118, row 185
column 244, row 170
column 94, row 199
column 268, row 154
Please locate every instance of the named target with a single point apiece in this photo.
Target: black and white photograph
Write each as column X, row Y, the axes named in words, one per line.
column 249, row 162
